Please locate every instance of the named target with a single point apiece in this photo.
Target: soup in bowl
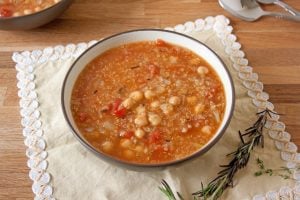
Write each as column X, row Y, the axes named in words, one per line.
column 29, row 14
column 148, row 98
column 16, row 8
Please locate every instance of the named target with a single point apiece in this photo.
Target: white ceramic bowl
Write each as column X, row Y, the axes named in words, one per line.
column 141, row 35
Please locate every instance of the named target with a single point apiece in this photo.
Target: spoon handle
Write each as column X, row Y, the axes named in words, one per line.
column 283, row 16
column 287, row 8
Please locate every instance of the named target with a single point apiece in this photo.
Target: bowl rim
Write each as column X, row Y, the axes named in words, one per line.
column 34, row 13
column 128, row 164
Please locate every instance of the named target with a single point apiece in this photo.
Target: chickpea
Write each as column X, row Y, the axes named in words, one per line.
column 17, row 14
column 206, row 129
column 38, row 8
column 166, row 108
column 140, row 110
column 139, row 149
column 154, row 119
column 199, row 108
column 191, row 100
column 128, row 153
column 27, row 12
column 149, row 94
column 155, row 104
column 128, row 103
column 139, row 133
column 202, row 70
column 136, row 96
column 107, row 146
column 174, row 100
column 141, row 120
column 125, row 143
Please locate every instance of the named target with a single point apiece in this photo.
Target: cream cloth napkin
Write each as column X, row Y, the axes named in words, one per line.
column 78, row 174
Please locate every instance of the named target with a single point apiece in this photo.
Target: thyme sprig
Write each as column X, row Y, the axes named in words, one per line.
column 252, row 137
column 283, row 172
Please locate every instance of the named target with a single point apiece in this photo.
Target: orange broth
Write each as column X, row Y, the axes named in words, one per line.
column 148, row 102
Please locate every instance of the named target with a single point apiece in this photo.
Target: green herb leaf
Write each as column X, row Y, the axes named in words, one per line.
column 259, row 173
column 260, row 163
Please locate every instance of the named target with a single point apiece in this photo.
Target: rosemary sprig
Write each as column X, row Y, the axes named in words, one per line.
column 240, row 159
column 251, row 138
column 166, row 189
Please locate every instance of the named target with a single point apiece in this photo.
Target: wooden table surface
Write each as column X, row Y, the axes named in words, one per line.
column 271, row 45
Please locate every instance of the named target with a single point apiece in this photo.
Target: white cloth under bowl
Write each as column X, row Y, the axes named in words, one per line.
column 62, row 168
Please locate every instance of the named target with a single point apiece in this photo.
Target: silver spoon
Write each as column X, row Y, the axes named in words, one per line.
column 282, row 4
column 252, row 11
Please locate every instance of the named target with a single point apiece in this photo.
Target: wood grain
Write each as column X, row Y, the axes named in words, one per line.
column 272, row 47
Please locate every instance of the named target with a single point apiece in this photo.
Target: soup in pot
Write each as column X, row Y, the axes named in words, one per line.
column 15, row 8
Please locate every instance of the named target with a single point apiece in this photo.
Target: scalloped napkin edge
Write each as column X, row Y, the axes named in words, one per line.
column 36, row 145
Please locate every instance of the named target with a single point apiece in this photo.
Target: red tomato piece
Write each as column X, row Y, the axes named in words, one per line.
column 83, row 117
column 161, row 43
column 116, row 104
column 128, row 134
column 120, row 112
column 154, row 70
column 5, row 11
column 155, row 137
column 117, row 110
